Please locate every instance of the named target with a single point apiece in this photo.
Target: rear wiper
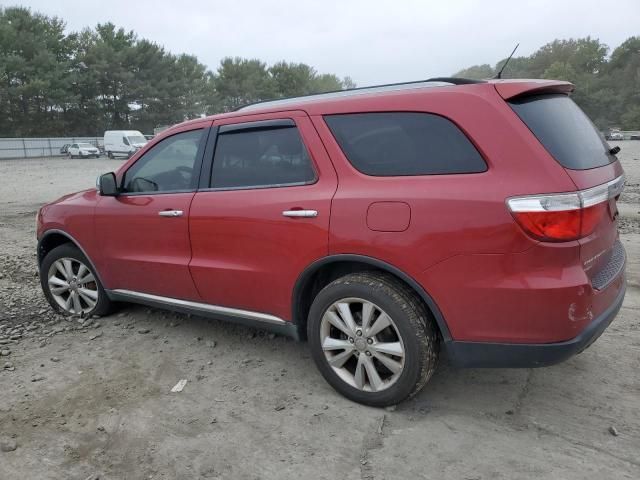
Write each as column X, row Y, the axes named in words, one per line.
column 614, row 150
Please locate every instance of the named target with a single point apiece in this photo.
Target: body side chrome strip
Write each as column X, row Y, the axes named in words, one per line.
column 204, row 307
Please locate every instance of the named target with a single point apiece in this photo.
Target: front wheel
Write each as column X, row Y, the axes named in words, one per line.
column 372, row 338
column 70, row 284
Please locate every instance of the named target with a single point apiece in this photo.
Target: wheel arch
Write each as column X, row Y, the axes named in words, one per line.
column 331, row 267
column 54, row 238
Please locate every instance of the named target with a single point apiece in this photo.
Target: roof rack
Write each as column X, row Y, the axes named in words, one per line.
column 431, row 82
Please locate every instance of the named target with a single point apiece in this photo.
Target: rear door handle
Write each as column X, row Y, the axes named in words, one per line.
column 300, row 213
column 171, row 213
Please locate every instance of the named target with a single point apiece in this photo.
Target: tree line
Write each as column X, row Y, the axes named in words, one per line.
column 54, row 83
column 607, row 86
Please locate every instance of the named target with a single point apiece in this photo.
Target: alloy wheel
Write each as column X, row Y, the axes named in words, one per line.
column 362, row 344
column 73, row 286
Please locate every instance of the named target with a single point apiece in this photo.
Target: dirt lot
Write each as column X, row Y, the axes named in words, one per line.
column 93, row 400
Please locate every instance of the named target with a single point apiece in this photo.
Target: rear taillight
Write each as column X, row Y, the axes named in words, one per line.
column 561, row 217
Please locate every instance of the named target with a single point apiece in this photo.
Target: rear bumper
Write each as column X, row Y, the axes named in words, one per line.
column 515, row 355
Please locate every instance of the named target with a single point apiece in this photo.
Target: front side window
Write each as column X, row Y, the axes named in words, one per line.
column 125, row 141
column 404, row 143
column 261, row 158
column 168, row 166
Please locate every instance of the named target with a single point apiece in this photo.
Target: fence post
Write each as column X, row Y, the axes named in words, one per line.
column 50, row 150
column 24, row 148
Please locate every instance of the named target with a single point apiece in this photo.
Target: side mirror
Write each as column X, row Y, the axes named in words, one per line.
column 108, row 185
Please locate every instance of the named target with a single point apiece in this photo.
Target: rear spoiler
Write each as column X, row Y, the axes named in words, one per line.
column 510, row 89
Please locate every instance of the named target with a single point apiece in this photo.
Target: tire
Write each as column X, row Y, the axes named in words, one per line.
column 70, row 252
column 411, row 327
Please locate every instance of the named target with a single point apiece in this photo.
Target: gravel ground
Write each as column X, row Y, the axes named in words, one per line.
column 92, row 399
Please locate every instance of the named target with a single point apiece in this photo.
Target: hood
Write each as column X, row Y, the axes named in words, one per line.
column 71, row 197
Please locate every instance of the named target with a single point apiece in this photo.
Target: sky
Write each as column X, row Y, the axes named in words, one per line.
column 371, row 41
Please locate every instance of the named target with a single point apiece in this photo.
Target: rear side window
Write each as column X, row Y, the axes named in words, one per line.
column 404, row 143
column 261, row 158
column 564, row 130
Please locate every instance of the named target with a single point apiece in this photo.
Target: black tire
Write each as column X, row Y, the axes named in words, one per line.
column 413, row 322
column 104, row 306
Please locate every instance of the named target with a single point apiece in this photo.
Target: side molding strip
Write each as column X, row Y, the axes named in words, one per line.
column 196, row 306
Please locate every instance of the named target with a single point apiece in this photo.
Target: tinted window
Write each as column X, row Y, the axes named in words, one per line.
column 168, row 166
column 564, row 130
column 259, row 158
column 386, row 144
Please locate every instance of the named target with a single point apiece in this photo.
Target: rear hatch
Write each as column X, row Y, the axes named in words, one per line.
column 574, row 142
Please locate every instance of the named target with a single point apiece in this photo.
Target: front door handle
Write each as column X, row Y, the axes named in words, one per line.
column 171, row 213
column 300, row 213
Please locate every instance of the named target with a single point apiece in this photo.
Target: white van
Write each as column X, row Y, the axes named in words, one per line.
column 123, row 142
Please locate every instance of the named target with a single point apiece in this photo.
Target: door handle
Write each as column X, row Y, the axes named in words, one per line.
column 171, row 213
column 300, row 213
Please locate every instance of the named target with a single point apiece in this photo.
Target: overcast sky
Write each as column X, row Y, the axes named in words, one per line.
column 372, row 41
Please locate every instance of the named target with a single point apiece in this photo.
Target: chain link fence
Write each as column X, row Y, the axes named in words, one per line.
column 41, row 147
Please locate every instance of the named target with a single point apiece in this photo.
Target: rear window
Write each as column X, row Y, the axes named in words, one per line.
column 564, row 130
column 404, row 143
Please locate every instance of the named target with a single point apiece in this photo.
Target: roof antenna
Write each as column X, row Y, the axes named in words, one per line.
column 499, row 75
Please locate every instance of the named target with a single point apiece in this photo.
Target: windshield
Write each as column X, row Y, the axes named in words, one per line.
column 85, row 145
column 564, row 130
column 137, row 139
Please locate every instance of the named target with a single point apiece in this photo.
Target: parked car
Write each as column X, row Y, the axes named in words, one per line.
column 123, row 142
column 615, row 135
column 65, row 148
column 384, row 225
column 83, row 150
column 634, row 136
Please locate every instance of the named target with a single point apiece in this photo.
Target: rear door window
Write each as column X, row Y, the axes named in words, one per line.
column 404, row 143
column 564, row 130
column 261, row 157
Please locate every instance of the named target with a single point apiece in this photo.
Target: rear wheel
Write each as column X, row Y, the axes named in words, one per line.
column 70, row 284
column 372, row 338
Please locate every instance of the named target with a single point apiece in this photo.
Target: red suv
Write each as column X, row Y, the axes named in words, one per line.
column 382, row 224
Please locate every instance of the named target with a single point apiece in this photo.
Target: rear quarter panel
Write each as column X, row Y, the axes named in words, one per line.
column 461, row 232
column 450, row 214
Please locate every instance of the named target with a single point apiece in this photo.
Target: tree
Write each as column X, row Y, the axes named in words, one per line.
column 476, row 72
column 242, row 81
column 34, row 71
column 608, row 89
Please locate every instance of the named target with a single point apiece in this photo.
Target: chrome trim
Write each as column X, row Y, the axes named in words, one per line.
column 300, row 213
column 258, row 187
column 568, row 200
column 171, row 213
column 203, row 307
column 394, row 87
